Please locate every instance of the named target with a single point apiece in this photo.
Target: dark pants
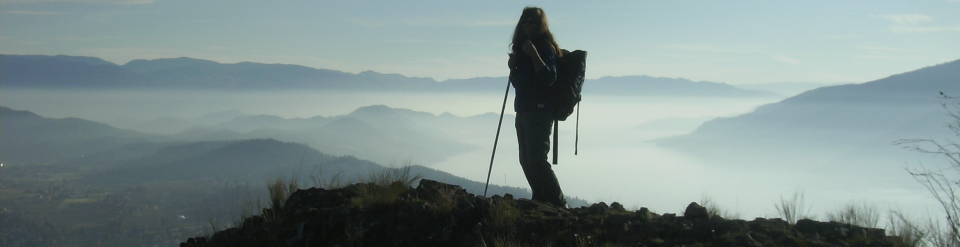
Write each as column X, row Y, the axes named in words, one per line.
column 533, row 135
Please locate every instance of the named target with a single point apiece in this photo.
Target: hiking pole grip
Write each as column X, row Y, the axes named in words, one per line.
column 497, row 138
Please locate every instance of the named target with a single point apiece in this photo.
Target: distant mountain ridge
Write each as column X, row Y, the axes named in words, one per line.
column 145, row 66
column 379, row 133
column 664, row 87
column 30, row 138
column 34, row 71
column 788, row 88
column 31, row 71
column 833, row 122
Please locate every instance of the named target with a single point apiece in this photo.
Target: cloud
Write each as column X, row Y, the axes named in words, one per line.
column 28, row 12
column 907, row 19
column 83, row 1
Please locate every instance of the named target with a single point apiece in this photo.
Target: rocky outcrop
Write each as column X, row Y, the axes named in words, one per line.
column 438, row 214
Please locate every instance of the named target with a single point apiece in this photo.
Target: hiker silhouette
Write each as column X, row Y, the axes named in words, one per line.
column 533, row 69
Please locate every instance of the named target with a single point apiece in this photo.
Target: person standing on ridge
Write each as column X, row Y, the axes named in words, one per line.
column 533, row 69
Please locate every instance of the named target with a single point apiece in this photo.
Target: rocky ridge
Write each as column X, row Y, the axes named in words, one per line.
column 438, row 214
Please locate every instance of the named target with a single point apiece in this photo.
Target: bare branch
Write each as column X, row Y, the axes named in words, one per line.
column 941, row 183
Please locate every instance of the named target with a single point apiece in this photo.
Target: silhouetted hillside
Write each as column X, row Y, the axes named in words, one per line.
column 109, row 159
column 249, row 160
column 29, row 138
column 832, row 121
column 255, row 160
column 438, row 214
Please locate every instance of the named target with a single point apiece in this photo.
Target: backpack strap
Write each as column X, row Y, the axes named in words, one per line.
column 576, row 142
column 555, row 131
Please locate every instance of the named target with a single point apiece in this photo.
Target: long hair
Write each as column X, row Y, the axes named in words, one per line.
column 544, row 37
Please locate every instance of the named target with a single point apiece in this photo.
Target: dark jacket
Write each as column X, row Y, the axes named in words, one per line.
column 532, row 87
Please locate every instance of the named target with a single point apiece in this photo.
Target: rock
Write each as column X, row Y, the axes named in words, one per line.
column 644, row 214
column 695, row 211
column 431, row 187
column 617, row 207
column 598, row 208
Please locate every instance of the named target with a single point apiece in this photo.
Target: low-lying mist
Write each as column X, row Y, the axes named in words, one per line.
column 617, row 158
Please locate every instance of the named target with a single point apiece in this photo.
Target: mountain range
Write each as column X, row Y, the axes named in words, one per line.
column 379, row 133
column 72, row 72
column 834, row 122
column 112, row 156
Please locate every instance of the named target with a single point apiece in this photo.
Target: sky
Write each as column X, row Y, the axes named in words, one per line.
column 734, row 42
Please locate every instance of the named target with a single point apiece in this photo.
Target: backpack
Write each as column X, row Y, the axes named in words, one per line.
column 565, row 92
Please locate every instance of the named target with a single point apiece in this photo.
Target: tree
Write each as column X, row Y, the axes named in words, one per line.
column 942, row 181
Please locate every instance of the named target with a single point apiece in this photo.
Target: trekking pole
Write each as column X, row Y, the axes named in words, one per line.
column 494, row 154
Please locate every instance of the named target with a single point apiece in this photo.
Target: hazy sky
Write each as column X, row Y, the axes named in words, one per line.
column 723, row 41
